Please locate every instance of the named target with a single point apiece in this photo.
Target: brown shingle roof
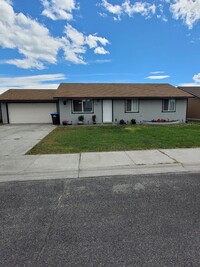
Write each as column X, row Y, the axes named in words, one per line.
column 28, row 95
column 97, row 90
column 116, row 90
column 191, row 90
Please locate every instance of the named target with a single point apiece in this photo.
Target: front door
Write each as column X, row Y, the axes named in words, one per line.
column 107, row 111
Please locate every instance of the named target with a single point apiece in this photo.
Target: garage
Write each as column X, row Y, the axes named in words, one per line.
column 20, row 106
column 31, row 112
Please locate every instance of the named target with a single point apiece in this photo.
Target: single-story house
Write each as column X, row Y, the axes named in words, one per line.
column 109, row 102
column 193, row 111
column 113, row 102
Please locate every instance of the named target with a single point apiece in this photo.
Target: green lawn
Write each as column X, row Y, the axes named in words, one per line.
column 74, row 139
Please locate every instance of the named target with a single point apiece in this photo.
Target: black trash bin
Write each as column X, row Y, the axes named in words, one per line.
column 55, row 118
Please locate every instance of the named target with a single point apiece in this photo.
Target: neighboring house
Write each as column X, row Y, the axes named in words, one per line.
column 28, row 106
column 109, row 102
column 193, row 111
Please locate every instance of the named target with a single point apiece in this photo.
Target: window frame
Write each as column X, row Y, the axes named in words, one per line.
column 169, row 100
column 82, row 106
column 136, row 99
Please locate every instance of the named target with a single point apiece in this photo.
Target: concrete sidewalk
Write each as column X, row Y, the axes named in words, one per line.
column 25, row 167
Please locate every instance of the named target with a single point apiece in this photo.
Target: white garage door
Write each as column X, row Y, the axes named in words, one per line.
column 31, row 112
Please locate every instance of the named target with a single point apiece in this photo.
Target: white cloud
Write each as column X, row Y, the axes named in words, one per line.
column 92, row 41
column 160, row 12
column 102, row 14
column 189, row 84
column 102, row 61
column 73, row 45
column 59, row 9
column 157, row 77
column 45, row 81
column 27, row 36
column 157, row 72
column 114, row 9
column 73, row 53
column 35, row 44
column 76, row 37
column 187, row 10
column 143, row 8
column 76, row 43
column 196, row 78
column 100, row 50
column 27, row 63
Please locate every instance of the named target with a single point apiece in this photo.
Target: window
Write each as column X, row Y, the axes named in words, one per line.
column 82, row 106
column 169, row 105
column 131, row 105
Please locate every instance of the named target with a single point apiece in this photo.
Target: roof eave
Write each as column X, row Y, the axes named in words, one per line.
column 28, row 100
column 119, row 97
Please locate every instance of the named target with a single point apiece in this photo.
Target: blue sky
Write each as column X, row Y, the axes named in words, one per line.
column 46, row 42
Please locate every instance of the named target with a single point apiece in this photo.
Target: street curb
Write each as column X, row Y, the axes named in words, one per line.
column 97, row 172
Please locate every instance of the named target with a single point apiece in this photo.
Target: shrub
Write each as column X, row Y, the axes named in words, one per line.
column 94, row 119
column 122, row 122
column 81, row 118
column 133, row 121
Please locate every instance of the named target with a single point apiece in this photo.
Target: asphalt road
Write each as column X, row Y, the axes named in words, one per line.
column 146, row 220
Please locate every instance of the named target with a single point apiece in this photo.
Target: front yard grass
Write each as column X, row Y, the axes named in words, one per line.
column 75, row 139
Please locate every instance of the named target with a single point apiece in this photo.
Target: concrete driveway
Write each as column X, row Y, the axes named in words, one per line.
column 18, row 139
